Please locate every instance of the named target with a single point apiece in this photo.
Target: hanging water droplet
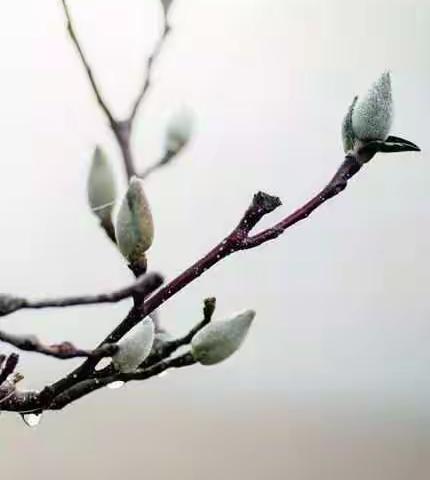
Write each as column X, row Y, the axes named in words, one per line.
column 115, row 385
column 31, row 419
column 163, row 374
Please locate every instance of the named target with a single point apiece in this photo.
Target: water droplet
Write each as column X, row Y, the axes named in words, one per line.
column 116, row 385
column 163, row 374
column 103, row 363
column 31, row 419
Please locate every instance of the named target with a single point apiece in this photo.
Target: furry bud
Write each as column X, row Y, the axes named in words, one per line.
column 372, row 115
column 134, row 347
column 218, row 340
column 179, row 131
column 101, row 186
column 134, row 226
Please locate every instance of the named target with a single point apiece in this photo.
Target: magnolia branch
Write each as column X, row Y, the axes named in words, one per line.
column 144, row 285
column 239, row 239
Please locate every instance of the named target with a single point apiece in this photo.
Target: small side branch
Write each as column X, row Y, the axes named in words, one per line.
column 85, row 63
column 167, row 348
column 144, row 285
column 148, row 74
column 61, row 351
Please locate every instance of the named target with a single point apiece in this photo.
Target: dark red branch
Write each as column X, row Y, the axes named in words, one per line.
column 62, row 351
column 144, row 285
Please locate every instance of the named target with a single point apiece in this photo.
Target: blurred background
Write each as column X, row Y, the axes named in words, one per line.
column 334, row 380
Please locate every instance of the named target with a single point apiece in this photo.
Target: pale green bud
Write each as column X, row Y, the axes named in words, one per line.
column 218, row 340
column 134, row 226
column 134, row 347
column 372, row 115
column 179, row 131
column 101, row 186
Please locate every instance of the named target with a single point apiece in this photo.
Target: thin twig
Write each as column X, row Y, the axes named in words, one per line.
column 167, row 348
column 148, row 74
column 165, row 160
column 95, row 87
column 144, row 285
column 61, row 351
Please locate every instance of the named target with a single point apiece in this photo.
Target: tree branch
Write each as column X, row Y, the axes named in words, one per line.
column 87, row 386
column 148, row 74
column 95, row 87
column 61, row 351
column 144, row 285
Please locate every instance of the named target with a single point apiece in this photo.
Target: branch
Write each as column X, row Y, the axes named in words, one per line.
column 62, row 351
column 165, row 160
column 239, row 239
column 87, row 386
column 144, row 285
column 95, row 87
column 149, row 65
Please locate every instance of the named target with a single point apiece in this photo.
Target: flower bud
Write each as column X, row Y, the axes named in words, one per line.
column 134, row 347
column 218, row 340
column 372, row 115
column 101, row 186
column 134, row 226
column 179, row 130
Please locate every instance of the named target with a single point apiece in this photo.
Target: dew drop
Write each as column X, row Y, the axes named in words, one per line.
column 116, row 385
column 31, row 419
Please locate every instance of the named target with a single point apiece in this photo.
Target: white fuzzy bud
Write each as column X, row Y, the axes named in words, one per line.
column 373, row 114
column 179, row 131
column 134, row 347
column 101, row 186
column 218, row 340
column 134, row 226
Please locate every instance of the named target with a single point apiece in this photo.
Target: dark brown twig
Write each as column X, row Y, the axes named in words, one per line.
column 144, row 285
column 61, row 351
column 165, row 349
column 148, row 73
column 85, row 63
column 87, row 386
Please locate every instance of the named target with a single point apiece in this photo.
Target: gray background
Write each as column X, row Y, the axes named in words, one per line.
column 333, row 381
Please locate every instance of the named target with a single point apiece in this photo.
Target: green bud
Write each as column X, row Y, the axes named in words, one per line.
column 373, row 114
column 179, row 131
column 101, row 186
column 134, row 226
column 134, row 347
column 218, row 340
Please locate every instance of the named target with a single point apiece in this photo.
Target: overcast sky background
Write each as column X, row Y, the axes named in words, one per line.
column 343, row 311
